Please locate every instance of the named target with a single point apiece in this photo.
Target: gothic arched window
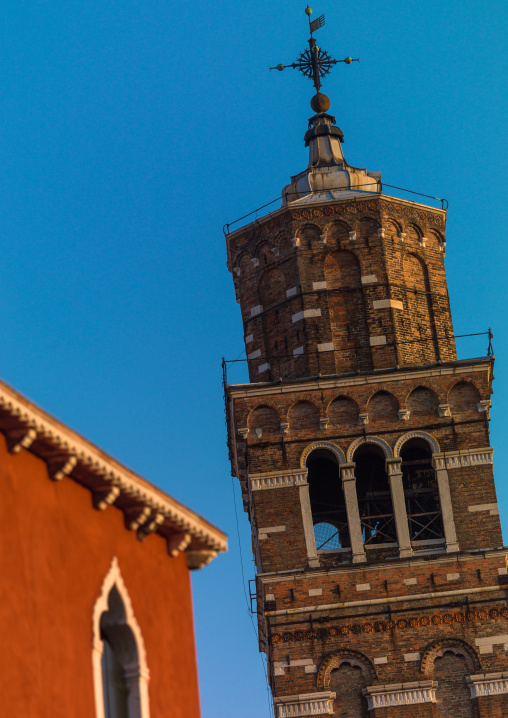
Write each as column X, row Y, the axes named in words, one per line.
column 374, row 497
column 327, row 501
column 421, row 493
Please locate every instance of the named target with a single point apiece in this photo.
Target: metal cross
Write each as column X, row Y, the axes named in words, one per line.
column 314, row 63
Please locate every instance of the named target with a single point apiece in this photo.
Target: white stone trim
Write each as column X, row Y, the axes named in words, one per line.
column 311, row 669
column 263, row 367
column 255, row 354
column 388, row 304
column 400, row 694
column 306, row 704
column 291, row 292
column 306, row 314
column 453, row 576
column 487, row 684
column 263, row 533
column 493, row 509
column 315, row 591
column 410, row 581
column 416, row 435
column 368, row 440
column 464, row 458
column 249, row 338
column 377, row 341
column 380, row 660
column 278, row 479
column 486, row 644
column 297, row 351
column 412, row 657
column 326, row 347
column 318, row 285
column 256, row 310
column 368, row 279
column 321, row 445
column 363, row 587
column 114, row 578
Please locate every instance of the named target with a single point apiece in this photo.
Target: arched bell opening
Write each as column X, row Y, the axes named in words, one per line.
column 328, row 505
column 421, row 494
column 374, row 497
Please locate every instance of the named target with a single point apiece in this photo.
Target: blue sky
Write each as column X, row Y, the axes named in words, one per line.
column 130, row 132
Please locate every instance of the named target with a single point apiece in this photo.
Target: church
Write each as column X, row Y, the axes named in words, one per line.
column 361, row 444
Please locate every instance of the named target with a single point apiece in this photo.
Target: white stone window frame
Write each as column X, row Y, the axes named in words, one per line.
column 114, row 579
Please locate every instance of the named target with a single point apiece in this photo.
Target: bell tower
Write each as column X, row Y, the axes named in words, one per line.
column 362, row 448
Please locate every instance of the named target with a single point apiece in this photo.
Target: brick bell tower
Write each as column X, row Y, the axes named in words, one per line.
column 362, row 448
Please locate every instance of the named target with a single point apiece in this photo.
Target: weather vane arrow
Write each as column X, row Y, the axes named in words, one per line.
column 314, row 63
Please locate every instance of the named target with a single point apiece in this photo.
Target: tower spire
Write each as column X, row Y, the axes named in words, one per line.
column 315, row 63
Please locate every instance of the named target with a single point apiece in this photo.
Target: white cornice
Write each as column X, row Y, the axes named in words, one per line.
column 400, row 694
column 306, row 704
column 237, row 391
column 77, row 453
column 488, row 684
column 463, row 458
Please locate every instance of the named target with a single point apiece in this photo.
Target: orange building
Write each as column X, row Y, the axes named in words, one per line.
column 96, row 613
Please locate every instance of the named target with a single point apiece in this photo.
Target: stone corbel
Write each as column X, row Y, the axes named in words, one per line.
column 444, row 410
column 243, row 432
column 381, row 232
column 237, row 271
column 275, row 251
column 20, row 439
column 363, row 418
column 442, row 247
column 255, row 261
column 484, row 405
column 323, row 422
column 323, row 239
column 199, row 559
column 178, row 543
column 404, row 414
column 136, row 516
column 352, row 236
column 423, row 241
column 61, row 466
column 104, row 496
column 402, row 236
column 284, row 427
column 295, row 241
column 150, row 526
column 259, row 432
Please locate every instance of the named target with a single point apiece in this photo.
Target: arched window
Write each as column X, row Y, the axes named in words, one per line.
column 120, row 662
column 327, row 501
column 374, row 497
column 118, row 657
column 421, row 493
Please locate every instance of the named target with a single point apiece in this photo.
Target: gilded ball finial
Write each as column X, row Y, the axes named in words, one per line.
column 320, row 103
column 308, row 10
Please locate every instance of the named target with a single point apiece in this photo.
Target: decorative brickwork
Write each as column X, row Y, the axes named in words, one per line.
column 362, row 446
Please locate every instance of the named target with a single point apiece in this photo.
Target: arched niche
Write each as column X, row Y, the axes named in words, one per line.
column 118, row 646
column 337, row 231
column 463, row 398
column 422, row 401
column 348, row 316
column 336, row 659
column 343, row 411
column 264, row 252
column 303, row 416
column 309, row 235
column 456, row 646
column 272, row 288
column 392, row 228
column 418, row 320
column 382, row 407
column 366, row 228
column 263, row 419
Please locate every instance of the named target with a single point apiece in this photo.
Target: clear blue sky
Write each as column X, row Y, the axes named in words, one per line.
column 130, row 133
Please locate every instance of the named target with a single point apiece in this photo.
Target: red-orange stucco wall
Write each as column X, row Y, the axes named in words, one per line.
column 55, row 551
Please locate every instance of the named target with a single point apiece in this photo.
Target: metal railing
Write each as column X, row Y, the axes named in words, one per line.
column 378, row 191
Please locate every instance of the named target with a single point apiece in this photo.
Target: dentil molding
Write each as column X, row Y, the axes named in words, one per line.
column 307, row 704
column 400, row 694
